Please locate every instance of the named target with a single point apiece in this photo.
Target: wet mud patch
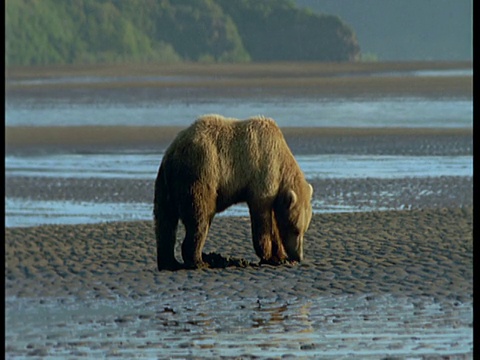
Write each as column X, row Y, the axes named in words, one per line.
column 218, row 261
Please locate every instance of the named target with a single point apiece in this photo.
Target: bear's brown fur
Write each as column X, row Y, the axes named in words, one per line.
column 217, row 162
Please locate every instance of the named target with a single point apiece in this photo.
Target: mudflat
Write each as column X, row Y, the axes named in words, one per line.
column 391, row 282
column 302, row 140
column 394, row 283
column 410, row 253
column 326, row 79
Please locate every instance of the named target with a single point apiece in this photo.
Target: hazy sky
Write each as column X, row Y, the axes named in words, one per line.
column 406, row 29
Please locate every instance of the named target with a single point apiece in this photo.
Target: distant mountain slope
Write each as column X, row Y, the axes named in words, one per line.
column 94, row 31
column 406, row 29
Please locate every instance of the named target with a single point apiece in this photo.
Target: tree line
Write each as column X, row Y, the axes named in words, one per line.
column 42, row 32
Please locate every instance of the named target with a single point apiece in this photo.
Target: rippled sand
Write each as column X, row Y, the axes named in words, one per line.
column 406, row 273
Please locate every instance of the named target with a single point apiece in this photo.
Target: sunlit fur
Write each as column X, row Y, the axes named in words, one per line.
column 217, row 162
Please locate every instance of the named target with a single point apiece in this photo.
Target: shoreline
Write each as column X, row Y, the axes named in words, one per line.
column 409, row 192
column 236, row 69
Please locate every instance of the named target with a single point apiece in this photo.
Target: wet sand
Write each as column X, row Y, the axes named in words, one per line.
column 409, row 253
column 374, row 284
column 302, row 140
column 326, row 79
column 250, row 70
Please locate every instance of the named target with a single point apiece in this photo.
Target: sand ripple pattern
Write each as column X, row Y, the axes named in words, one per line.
column 390, row 283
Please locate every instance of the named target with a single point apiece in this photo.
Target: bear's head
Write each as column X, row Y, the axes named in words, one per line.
column 293, row 212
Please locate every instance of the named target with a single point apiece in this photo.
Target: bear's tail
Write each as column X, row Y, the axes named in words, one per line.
column 165, row 220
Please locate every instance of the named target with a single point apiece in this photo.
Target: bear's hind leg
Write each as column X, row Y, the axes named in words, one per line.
column 197, row 212
column 192, row 246
column 166, row 236
column 166, row 222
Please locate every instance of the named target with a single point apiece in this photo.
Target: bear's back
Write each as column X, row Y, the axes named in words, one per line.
column 256, row 136
column 219, row 128
column 232, row 155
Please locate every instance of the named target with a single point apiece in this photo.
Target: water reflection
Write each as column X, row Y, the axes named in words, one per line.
column 335, row 327
column 284, row 318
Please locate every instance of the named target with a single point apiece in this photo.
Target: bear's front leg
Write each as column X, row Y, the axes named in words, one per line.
column 265, row 237
column 279, row 256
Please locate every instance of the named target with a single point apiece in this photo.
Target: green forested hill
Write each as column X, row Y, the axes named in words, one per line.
column 95, row 31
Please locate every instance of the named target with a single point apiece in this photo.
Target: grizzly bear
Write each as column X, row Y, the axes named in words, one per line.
column 217, row 162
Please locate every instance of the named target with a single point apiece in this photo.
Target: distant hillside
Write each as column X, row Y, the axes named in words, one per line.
column 406, row 29
column 41, row 32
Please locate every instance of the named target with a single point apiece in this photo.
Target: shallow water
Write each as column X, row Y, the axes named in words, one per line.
column 139, row 165
column 24, row 212
column 287, row 111
column 328, row 327
column 27, row 212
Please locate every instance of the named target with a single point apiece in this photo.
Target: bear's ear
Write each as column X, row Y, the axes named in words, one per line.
column 290, row 198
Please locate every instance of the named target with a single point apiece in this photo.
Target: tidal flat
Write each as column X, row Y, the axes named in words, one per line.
column 388, row 270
